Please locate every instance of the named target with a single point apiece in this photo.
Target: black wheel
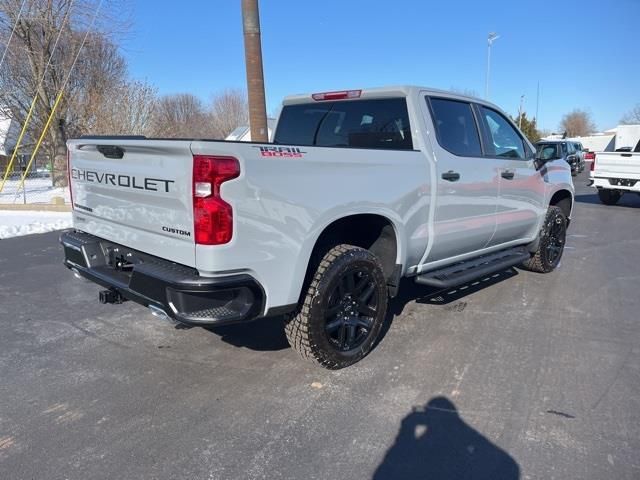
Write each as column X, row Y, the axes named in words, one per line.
column 342, row 310
column 551, row 245
column 609, row 197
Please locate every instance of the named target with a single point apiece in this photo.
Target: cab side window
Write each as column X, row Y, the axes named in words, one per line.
column 504, row 140
column 456, row 128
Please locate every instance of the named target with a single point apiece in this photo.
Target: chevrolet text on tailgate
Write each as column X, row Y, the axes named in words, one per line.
column 359, row 189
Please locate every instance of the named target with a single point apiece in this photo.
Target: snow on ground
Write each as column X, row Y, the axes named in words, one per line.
column 16, row 223
column 36, row 190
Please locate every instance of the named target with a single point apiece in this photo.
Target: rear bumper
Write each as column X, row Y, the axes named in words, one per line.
column 175, row 289
column 616, row 183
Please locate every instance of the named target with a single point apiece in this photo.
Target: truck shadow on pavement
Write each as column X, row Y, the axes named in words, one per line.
column 267, row 334
column 410, row 291
column 628, row 200
column 434, row 442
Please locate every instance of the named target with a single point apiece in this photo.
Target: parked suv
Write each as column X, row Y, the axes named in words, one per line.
column 580, row 152
column 560, row 150
column 359, row 189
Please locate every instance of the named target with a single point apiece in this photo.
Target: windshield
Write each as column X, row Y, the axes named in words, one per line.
column 547, row 151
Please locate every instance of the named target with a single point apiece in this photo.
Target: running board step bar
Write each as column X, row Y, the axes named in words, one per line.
column 463, row 272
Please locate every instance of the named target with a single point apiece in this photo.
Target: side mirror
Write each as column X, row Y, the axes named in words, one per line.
column 538, row 163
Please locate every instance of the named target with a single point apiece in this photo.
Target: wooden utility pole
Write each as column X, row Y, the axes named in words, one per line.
column 255, row 75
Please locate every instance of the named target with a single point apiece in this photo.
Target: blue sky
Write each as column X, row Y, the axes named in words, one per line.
column 583, row 53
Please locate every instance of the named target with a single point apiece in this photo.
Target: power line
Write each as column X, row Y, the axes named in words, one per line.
column 58, row 98
column 84, row 39
column 35, row 98
column 13, row 30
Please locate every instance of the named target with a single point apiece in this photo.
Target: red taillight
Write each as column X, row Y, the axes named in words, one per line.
column 69, row 176
column 593, row 163
column 341, row 95
column 212, row 216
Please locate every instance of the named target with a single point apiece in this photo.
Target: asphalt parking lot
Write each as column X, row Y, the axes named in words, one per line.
column 522, row 376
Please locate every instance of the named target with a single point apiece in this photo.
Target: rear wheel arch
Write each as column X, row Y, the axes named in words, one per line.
column 373, row 232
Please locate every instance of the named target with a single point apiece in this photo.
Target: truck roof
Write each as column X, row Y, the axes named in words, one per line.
column 386, row 92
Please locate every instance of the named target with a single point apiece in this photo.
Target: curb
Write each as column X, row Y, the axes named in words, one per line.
column 37, row 207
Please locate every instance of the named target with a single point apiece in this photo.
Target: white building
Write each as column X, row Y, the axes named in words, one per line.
column 607, row 141
column 243, row 133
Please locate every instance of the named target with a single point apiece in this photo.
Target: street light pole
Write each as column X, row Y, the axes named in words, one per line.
column 255, row 75
column 520, row 119
column 490, row 39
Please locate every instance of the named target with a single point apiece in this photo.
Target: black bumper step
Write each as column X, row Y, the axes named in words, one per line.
column 463, row 272
column 177, row 290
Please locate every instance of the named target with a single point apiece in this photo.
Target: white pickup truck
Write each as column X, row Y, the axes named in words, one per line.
column 616, row 173
column 358, row 189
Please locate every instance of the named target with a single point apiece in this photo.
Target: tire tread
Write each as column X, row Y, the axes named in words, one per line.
column 536, row 263
column 297, row 323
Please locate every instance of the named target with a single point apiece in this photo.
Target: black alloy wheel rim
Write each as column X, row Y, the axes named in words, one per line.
column 556, row 240
column 351, row 310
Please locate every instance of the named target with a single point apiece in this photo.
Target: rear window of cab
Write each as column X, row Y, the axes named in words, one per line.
column 374, row 124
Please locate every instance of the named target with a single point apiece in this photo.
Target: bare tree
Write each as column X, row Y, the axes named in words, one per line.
column 632, row 117
column 181, row 115
column 229, row 110
column 545, row 133
column 129, row 110
column 577, row 123
column 47, row 39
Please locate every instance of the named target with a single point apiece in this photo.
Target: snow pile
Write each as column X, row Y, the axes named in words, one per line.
column 16, row 223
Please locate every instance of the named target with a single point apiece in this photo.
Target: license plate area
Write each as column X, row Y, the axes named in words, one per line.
column 622, row 182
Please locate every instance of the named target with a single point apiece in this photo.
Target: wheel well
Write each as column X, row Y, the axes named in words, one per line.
column 373, row 232
column 562, row 199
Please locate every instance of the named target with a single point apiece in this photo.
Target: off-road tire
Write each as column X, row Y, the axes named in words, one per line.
column 306, row 328
column 609, row 197
column 542, row 260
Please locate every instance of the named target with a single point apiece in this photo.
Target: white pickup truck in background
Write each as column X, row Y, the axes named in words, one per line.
column 358, row 189
column 616, row 173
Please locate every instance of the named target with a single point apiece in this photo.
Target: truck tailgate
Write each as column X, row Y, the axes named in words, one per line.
column 136, row 193
column 618, row 164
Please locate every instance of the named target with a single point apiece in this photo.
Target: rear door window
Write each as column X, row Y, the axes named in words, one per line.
column 504, row 140
column 376, row 124
column 456, row 128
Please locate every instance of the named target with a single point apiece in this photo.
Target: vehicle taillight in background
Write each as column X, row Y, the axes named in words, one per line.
column 341, row 95
column 212, row 216
column 593, row 163
column 69, row 176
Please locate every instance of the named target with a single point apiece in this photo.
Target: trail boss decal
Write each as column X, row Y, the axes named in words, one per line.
column 127, row 181
column 286, row 152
